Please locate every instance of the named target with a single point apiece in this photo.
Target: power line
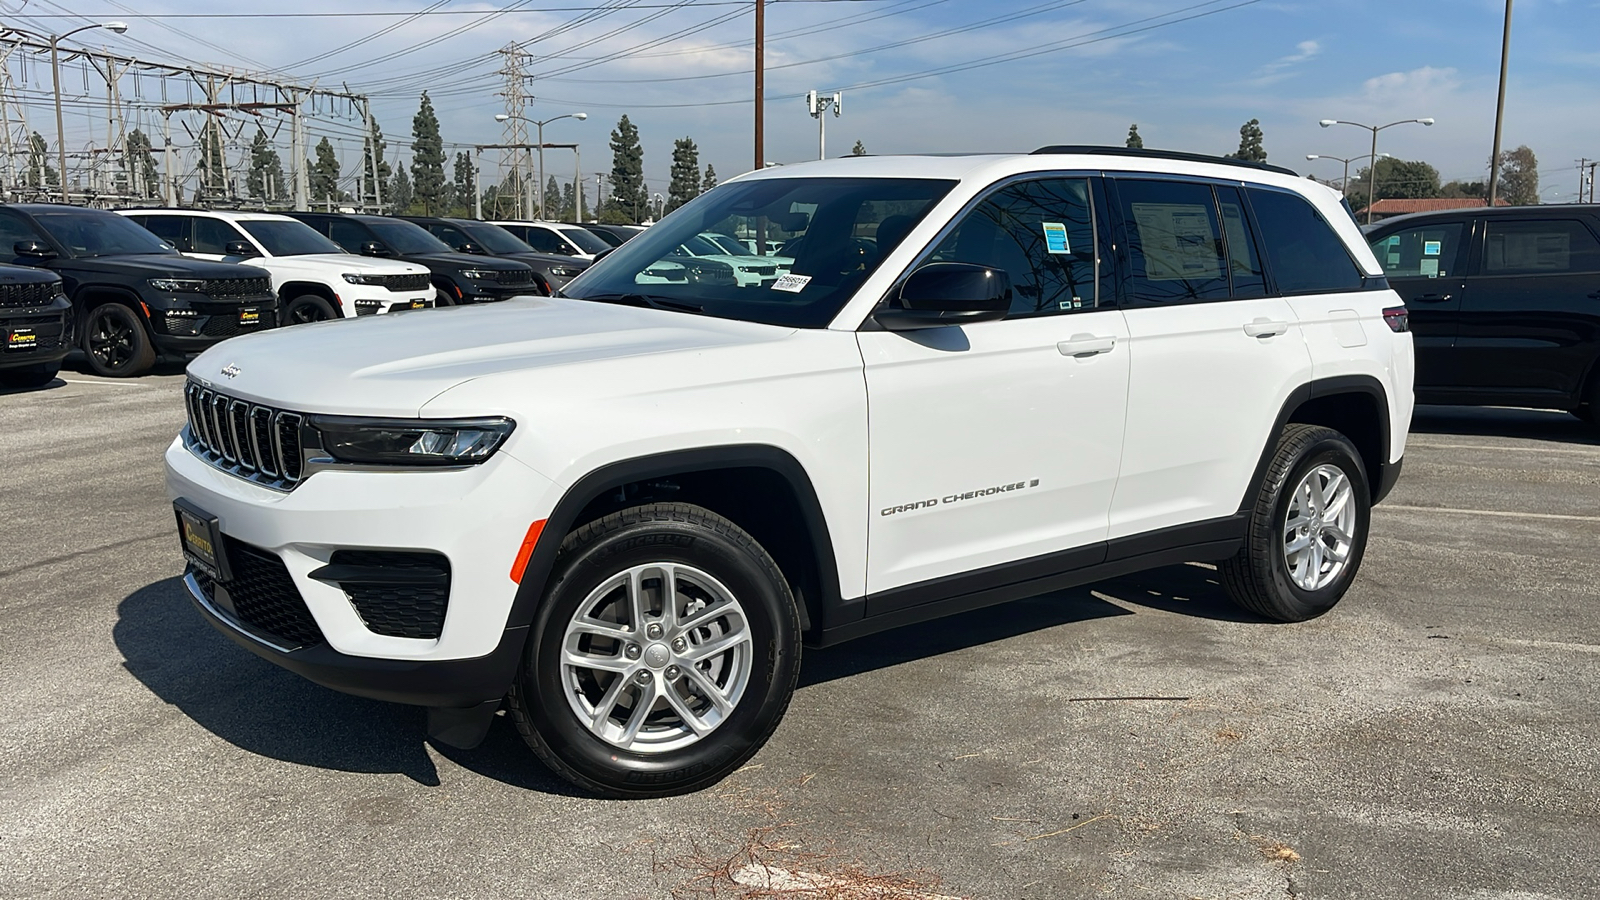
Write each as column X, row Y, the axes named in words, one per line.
column 377, row 14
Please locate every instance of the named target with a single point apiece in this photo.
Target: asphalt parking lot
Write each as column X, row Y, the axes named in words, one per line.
column 1435, row 736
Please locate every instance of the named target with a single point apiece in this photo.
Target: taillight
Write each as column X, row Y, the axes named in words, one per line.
column 1397, row 319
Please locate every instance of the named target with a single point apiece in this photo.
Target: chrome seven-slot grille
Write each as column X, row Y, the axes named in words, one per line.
column 238, row 287
column 20, row 296
column 253, row 441
column 406, row 282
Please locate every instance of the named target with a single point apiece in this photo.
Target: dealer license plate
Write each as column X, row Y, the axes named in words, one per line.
column 22, row 339
column 249, row 316
column 201, row 539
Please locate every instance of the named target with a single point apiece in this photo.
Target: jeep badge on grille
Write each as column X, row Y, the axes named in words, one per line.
column 231, row 370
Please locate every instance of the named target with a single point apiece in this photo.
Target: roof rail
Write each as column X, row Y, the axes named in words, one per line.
column 1161, row 154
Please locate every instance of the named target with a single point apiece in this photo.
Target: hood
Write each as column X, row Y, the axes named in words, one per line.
column 393, row 365
column 26, row 275
column 454, row 260
column 344, row 262
column 551, row 259
column 156, row 266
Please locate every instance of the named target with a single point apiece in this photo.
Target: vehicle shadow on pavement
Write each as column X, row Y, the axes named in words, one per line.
column 1496, row 421
column 255, row 705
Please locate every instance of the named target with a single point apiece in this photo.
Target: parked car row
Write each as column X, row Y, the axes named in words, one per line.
column 130, row 287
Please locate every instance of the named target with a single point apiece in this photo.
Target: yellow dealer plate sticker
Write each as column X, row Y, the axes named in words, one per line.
column 249, row 316
column 201, row 540
column 22, row 339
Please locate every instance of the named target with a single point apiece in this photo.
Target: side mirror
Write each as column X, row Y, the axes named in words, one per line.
column 373, row 248
column 948, row 294
column 603, row 254
column 239, row 248
column 34, row 248
column 475, row 249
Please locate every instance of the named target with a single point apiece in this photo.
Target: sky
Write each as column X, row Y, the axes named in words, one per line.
column 916, row 75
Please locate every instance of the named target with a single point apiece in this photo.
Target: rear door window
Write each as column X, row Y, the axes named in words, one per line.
column 1303, row 252
column 214, row 235
column 1423, row 251
column 347, row 234
column 546, row 241
column 1175, row 242
column 172, row 229
column 1557, row 247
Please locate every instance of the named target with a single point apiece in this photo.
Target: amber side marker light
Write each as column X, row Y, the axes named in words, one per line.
column 526, row 553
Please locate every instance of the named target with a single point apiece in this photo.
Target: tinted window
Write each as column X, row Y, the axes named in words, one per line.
column 214, row 235
column 289, row 238
column 1244, row 260
column 448, row 233
column 494, row 238
column 1539, row 248
column 407, row 237
column 1426, row 251
column 86, row 232
column 13, row 231
column 1042, row 234
column 545, row 241
column 1305, row 254
column 172, row 229
column 347, row 234
column 1174, row 242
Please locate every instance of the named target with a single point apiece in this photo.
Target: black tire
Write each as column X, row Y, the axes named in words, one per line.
column 666, row 533
column 30, row 376
column 1590, row 411
column 116, row 343
column 308, row 308
column 1258, row 577
column 442, row 297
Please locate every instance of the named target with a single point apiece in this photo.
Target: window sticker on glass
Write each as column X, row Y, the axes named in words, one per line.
column 1055, row 237
column 1430, row 248
column 1430, row 268
column 1178, row 241
column 790, row 283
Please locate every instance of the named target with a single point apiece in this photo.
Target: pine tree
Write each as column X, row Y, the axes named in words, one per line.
column 427, row 160
column 1519, row 177
column 373, row 148
column 552, row 200
column 266, row 168
column 324, row 174
column 1134, row 140
column 40, row 173
column 859, row 149
column 629, row 197
column 142, row 165
column 1250, row 148
column 401, row 196
column 685, row 183
column 465, row 183
column 710, row 181
column 569, row 203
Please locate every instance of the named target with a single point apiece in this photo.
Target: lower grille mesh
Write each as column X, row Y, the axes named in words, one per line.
column 264, row 596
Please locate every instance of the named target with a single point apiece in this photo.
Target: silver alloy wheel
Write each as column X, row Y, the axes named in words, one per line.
column 656, row 657
column 1319, row 528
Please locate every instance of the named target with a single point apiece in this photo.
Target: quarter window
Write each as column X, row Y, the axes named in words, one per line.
column 1244, row 262
column 1174, row 242
column 1539, row 248
column 1426, row 251
column 172, row 229
column 1041, row 233
column 214, row 235
column 1305, row 254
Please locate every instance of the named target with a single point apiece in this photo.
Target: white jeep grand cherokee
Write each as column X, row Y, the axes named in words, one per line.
column 621, row 511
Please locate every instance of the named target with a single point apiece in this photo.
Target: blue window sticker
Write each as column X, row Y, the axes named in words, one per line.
column 1430, row 248
column 1055, row 237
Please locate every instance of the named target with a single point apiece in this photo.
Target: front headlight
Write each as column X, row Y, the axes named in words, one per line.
column 480, row 274
column 412, row 442
column 354, row 278
column 565, row 272
column 178, row 285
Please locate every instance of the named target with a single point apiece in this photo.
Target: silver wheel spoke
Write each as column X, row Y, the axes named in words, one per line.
column 706, row 688
column 640, row 712
column 636, row 599
column 1298, row 544
column 719, row 644
column 608, row 702
column 601, row 629
column 1338, row 553
column 598, row 663
column 669, row 598
column 691, row 718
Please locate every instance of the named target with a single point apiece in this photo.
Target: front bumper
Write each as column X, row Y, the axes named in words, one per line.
column 364, row 300
column 463, row 514
column 36, row 335
column 186, row 325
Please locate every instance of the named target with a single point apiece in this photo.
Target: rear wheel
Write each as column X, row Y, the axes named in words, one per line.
column 308, row 308
column 1307, row 530
column 29, row 376
column 663, row 656
column 116, row 343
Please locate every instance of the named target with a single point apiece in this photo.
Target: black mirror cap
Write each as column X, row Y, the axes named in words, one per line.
column 474, row 249
column 373, row 248
column 35, row 249
column 949, row 294
column 601, row 255
column 239, row 248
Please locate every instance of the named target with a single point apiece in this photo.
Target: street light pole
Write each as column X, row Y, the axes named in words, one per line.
column 1344, row 184
column 1500, row 109
column 55, row 81
column 1372, row 180
column 540, row 124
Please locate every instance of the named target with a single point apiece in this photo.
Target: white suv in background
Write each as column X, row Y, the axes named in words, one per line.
column 621, row 512
column 556, row 238
column 314, row 278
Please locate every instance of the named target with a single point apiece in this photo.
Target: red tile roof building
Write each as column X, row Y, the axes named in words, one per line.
column 1383, row 209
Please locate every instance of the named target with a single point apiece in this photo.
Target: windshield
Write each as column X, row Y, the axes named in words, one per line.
column 585, row 240
column 91, row 233
column 289, row 238
column 838, row 231
column 494, row 239
column 407, row 237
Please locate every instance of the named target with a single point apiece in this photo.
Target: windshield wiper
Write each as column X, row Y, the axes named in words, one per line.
column 646, row 300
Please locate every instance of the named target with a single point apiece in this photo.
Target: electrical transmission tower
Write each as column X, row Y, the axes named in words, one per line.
column 516, row 127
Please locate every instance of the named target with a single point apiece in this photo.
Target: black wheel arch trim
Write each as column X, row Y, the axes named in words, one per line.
column 1380, row 481
column 821, row 610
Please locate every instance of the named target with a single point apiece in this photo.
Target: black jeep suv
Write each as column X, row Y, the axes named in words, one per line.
column 457, row 277
column 1504, row 303
column 485, row 239
column 134, row 296
column 35, row 326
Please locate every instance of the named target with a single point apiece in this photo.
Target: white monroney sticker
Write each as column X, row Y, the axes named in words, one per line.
column 794, row 284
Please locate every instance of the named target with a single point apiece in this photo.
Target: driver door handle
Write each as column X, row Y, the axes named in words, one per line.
column 1085, row 345
column 1432, row 298
column 1265, row 328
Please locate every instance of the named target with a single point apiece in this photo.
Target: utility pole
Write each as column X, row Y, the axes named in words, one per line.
column 1500, row 109
column 761, row 83
column 297, row 131
column 372, row 155
column 600, row 192
column 818, row 107
column 168, row 189
column 477, row 185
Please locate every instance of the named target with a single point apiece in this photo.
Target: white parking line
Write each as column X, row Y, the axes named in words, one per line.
column 1581, row 451
column 1487, row 512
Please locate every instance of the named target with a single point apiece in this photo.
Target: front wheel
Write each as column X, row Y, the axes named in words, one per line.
column 1307, row 530
column 308, row 308
column 116, row 343
column 664, row 654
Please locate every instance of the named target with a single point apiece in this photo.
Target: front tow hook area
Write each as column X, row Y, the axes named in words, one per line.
column 463, row 729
